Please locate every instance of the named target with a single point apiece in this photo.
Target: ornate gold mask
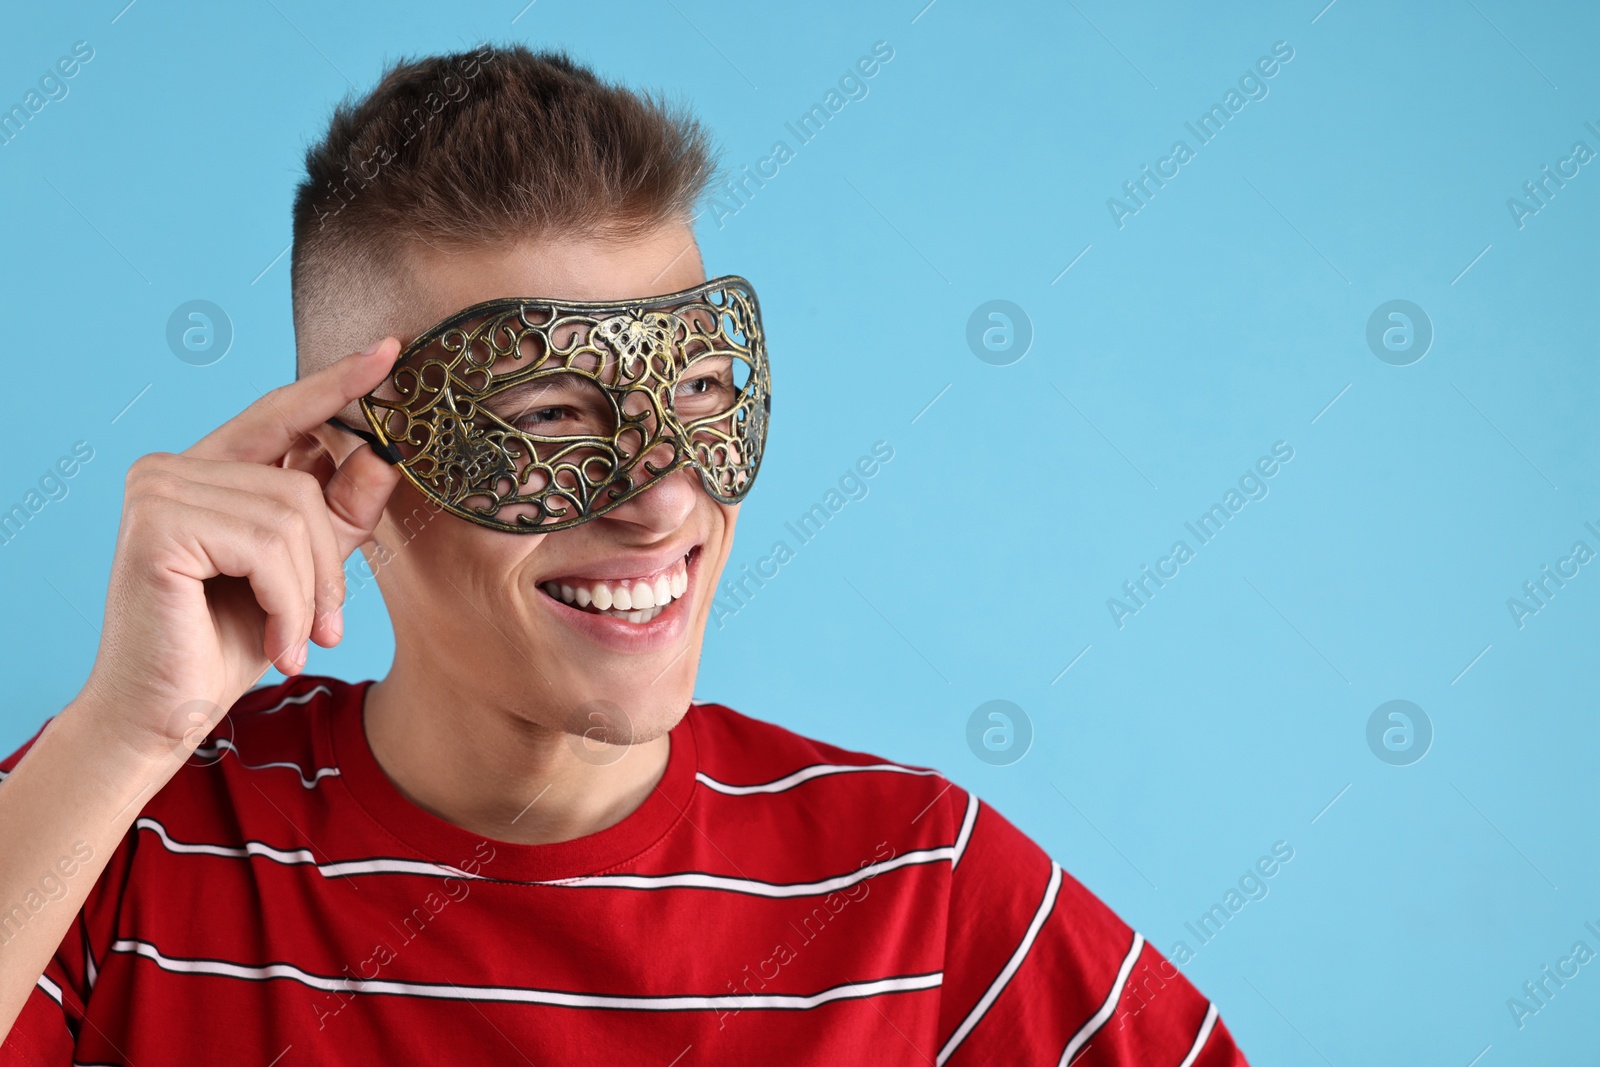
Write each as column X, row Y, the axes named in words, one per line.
column 532, row 415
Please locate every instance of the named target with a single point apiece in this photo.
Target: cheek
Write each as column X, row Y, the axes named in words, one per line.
column 495, row 561
column 730, row 518
column 453, row 557
column 717, row 523
column 719, row 535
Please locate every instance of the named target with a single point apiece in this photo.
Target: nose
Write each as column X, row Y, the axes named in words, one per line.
column 664, row 506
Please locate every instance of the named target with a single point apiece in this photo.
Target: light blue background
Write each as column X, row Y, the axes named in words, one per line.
column 1223, row 317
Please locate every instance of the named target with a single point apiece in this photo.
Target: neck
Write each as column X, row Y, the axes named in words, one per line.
column 483, row 765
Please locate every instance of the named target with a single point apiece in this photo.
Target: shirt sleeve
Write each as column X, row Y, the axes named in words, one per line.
column 1039, row 970
column 45, row 1033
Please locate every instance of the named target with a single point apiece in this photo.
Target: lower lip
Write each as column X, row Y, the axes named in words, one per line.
column 666, row 630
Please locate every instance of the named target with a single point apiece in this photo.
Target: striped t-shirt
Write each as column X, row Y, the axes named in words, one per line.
column 775, row 900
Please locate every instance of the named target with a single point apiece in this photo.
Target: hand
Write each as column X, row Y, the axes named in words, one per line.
column 228, row 562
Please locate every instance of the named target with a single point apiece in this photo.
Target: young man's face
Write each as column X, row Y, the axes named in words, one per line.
column 485, row 611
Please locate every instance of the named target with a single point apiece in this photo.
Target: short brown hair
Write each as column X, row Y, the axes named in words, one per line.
column 480, row 148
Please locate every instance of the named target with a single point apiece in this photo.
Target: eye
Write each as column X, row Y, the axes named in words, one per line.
column 539, row 417
column 565, row 405
column 703, row 395
column 710, row 386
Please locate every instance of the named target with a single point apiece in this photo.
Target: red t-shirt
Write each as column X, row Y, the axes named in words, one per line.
column 775, row 900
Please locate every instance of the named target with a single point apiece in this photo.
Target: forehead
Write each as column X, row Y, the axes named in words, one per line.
column 579, row 268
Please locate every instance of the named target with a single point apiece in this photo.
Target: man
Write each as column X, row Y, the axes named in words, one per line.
column 524, row 843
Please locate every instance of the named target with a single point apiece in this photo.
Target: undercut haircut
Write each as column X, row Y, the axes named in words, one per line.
column 485, row 147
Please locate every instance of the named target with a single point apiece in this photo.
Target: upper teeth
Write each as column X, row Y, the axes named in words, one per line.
column 628, row 594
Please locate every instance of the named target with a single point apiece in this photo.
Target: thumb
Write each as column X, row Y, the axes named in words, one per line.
column 356, row 496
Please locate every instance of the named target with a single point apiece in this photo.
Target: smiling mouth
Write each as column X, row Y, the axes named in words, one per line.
column 636, row 600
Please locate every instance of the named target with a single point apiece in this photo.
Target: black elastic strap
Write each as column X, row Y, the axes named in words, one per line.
column 386, row 452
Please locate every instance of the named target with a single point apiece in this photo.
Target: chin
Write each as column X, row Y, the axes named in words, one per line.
column 624, row 719
column 650, row 728
column 602, row 733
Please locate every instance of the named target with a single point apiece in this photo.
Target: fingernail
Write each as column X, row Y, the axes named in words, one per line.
column 336, row 623
column 300, row 657
column 372, row 349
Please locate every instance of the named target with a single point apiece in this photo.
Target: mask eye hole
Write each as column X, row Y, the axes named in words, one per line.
column 562, row 405
column 709, row 386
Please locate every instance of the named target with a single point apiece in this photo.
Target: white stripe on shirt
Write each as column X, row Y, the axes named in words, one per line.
column 51, row 988
column 518, row 995
column 678, row 880
column 805, row 774
column 751, row 887
column 222, row 744
column 1201, row 1038
column 301, row 857
column 298, row 698
column 1098, row 1019
column 998, row 985
column 965, row 835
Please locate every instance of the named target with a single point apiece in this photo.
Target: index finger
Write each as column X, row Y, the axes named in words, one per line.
column 265, row 430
